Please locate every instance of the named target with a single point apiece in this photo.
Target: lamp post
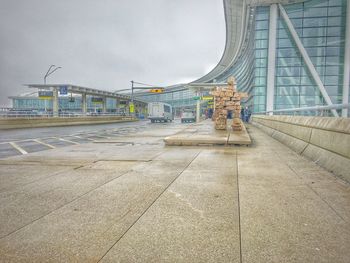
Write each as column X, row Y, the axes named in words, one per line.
column 49, row 72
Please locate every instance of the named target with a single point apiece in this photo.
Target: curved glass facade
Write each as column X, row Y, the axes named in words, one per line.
column 320, row 26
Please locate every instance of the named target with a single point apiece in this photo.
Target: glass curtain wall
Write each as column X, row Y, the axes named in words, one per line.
column 320, row 25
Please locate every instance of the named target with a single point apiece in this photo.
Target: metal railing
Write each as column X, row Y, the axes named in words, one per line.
column 314, row 110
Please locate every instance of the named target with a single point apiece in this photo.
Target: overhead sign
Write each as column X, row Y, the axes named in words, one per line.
column 131, row 108
column 96, row 100
column 196, row 98
column 207, row 98
column 44, row 94
column 210, row 102
column 157, row 90
column 63, row 90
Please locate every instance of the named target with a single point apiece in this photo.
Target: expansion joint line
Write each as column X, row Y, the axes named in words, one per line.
column 144, row 212
column 239, row 212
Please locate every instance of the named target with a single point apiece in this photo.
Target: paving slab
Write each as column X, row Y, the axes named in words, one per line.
column 283, row 218
column 204, row 133
column 195, row 220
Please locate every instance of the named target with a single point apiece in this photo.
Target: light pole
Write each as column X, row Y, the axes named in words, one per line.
column 49, row 72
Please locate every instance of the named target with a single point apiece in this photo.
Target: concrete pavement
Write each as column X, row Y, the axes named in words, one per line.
column 129, row 198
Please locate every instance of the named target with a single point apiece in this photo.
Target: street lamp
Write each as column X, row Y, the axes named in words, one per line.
column 49, row 72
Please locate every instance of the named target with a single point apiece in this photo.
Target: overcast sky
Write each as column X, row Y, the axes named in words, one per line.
column 104, row 44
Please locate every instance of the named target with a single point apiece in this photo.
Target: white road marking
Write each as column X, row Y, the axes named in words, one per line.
column 79, row 137
column 43, row 143
column 64, row 140
column 18, row 148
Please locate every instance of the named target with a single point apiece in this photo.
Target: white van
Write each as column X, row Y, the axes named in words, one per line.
column 159, row 111
column 188, row 116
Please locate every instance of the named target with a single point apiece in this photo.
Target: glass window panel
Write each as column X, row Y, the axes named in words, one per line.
column 285, row 61
column 287, row 52
column 318, row 3
column 316, row 52
column 297, row 22
column 333, row 61
column 260, row 62
column 314, row 32
column 332, row 51
column 287, row 90
column 305, row 80
column 260, row 81
column 261, row 34
column 335, row 11
column 315, row 22
column 335, row 21
column 261, row 25
column 337, row 3
column 285, row 81
column 315, row 12
column 260, row 90
column 261, row 53
column 261, row 43
column 335, row 41
column 314, row 41
column 333, row 90
column 288, row 71
column 334, row 31
column 295, row 10
column 284, row 42
column 262, row 16
column 282, row 33
column 318, row 60
column 332, row 70
column 291, row 100
column 331, row 80
column 307, row 91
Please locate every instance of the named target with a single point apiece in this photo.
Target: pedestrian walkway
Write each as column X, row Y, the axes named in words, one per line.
column 141, row 201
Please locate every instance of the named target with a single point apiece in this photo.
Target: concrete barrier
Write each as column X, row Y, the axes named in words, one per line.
column 17, row 123
column 324, row 140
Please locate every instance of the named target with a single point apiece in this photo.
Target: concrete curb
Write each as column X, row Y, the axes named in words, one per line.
column 20, row 123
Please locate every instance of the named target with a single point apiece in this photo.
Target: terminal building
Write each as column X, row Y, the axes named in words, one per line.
column 285, row 54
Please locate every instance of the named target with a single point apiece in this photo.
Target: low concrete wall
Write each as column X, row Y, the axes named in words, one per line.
column 17, row 123
column 325, row 140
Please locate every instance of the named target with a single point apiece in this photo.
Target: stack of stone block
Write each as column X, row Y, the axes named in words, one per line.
column 227, row 99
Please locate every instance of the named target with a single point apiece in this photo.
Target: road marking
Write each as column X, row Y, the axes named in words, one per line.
column 18, row 148
column 43, row 143
column 64, row 140
column 83, row 138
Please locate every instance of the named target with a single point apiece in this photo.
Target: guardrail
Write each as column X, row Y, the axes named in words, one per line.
column 320, row 110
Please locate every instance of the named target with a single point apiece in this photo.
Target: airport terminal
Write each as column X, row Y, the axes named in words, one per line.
column 248, row 163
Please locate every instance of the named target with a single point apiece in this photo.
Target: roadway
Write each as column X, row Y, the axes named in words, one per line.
column 22, row 141
column 126, row 197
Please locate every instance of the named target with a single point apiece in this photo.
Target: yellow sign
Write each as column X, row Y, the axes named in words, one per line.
column 210, row 102
column 207, row 98
column 157, row 90
column 131, row 108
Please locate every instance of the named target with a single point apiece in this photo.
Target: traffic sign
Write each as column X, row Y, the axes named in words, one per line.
column 63, row 90
column 157, row 90
column 131, row 108
column 96, row 100
column 207, row 98
column 196, row 98
column 43, row 94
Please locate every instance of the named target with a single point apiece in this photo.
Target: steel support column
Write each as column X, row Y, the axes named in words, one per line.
column 55, row 103
column 271, row 62
column 83, row 103
column 306, row 58
column 346, row 62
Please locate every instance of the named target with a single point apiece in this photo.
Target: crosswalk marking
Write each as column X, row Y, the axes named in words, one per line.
column 64, row 140
column 43, row 143
column 18, row 148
